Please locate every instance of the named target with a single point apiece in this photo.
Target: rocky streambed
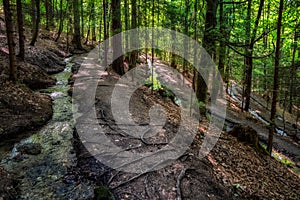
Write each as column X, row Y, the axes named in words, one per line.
column 41, row 162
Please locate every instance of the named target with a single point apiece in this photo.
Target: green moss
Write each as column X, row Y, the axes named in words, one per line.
column 102, row 193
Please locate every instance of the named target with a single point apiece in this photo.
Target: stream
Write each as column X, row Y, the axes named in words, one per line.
column 43, row 173
column 255, row 114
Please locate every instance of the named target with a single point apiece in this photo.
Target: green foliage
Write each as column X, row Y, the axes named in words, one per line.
column 155, row 83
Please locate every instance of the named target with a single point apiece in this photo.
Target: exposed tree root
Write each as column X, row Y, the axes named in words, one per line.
column 179, row 179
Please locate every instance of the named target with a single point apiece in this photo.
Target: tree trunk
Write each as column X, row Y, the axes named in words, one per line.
column 93, row 22
column 276, row 85
column 76, row 35
column 47, row 2
column 82, row 19
column 293, row 70
column 21, row 30
column 133, row 39
column 249, row 52
column 61, row 19
column 10, row 40
column 186, row 32
column 208, row 44
column 36, row 23
column 126, row 20
column 117, row 64
column 105, row 32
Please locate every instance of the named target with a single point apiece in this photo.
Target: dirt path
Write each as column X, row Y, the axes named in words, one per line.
column 185, row 178
column 232, row 170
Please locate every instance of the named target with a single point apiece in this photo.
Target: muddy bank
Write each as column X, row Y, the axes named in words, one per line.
column 21, row 109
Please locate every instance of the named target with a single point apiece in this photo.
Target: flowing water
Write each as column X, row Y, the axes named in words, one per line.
column 45, row 176
column 254, row 113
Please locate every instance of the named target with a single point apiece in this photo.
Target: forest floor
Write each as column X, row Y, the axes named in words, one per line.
column 232, row 170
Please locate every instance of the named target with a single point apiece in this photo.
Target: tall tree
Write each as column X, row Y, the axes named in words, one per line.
column 36, row 16
column 133, row 42
column 76, row 35
column 21, row 30
column 117, row 64
column 250, row 41
column 276, row 80
column 105, row 32
column 10, row 40
column 61, row 19
column 293, row 67
column 208, row 43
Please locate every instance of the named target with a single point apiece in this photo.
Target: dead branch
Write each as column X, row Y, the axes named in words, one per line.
column 179, row 179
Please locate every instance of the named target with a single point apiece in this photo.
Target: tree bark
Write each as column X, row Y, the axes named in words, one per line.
column 105, row 32
column 249, row 53
column 61, row 19
column 275, row 84
column 208, row 44
column 36, row 22
column 133, row 42
column 10, row 40
column 76, row 35
column 117, row 64
column 21, row 30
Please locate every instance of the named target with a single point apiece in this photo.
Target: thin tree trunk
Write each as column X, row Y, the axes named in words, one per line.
column 10, row 40
column 94, row 38
column 249, row 52
column 293, row 70
column 133, row 42
column 82, row 19
column 36, row 23
column 47, row 2
column 21, row 30
column 76, row 37
column 185, row 42
column 208, row 44
column 117, row 64
column 105, row 32
column 276, row 79
column 126, row 19
column 61, row 19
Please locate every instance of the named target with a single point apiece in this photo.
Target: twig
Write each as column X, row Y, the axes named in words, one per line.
column 112, row 177
column 146, row 187
column 179, row 179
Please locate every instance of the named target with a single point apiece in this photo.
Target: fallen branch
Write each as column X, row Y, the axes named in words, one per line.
column 179, row 179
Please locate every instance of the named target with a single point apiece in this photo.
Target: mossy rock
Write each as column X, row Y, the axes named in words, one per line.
column 102, row 193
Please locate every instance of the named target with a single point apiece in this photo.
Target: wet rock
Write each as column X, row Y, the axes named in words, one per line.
column 45, row 59
column 7, row 185
column 76, row 67
column 30, row 148
column 34, row 77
